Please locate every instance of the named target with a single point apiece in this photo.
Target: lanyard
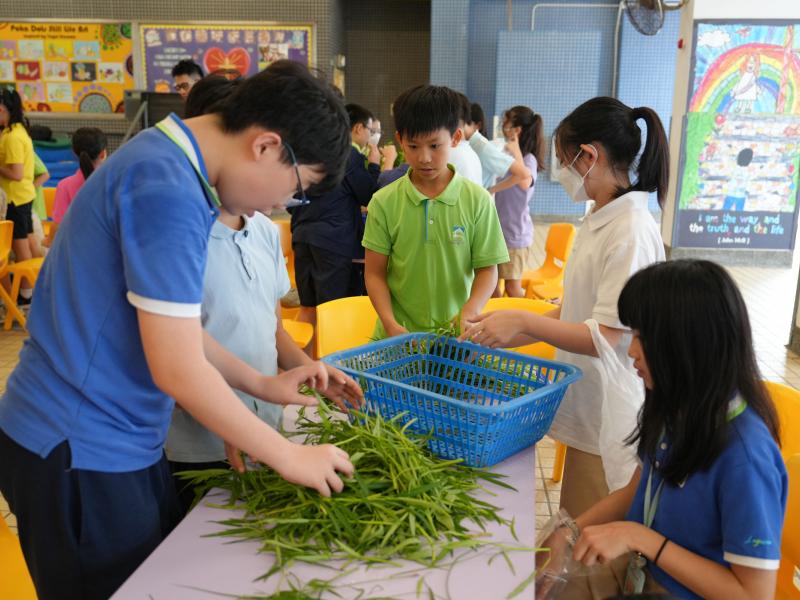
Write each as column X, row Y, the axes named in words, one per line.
column 736, row 408
column 635, row 575
column 178, row 137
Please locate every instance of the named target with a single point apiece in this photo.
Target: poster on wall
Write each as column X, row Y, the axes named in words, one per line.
column 245, row 49
column 738, row 181
column 69, row 66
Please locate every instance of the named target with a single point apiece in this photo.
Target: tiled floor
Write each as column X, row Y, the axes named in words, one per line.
column 769, row 294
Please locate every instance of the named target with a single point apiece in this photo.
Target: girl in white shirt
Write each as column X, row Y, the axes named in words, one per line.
column 596, row 146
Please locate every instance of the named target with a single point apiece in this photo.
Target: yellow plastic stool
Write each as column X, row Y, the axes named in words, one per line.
column 557, row 247
column 15, row 580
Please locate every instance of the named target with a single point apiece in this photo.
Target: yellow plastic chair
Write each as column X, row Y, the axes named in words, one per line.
column 557, row 247
column 27, row 269
column 15, row 580
column 344, row 323
column 787, row 404
column 789, row 572
column 49, row 203
column 550, row 291
column 301, row 333
column 539, row 349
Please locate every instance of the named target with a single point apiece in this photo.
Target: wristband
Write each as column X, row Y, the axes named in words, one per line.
column 660, row 550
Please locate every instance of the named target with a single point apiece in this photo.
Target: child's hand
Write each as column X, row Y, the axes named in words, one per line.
column 316, row 467
column 603, row 543
column 342, row 390
column 235, row 458
column 493, row 329
column 395, row 329
column 389, row 153
column 512, row 146
column 282, row 389
column 374, row 155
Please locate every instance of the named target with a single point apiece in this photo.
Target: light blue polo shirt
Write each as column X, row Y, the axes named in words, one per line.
column 494, row 162
column 245, row 280
column 733, row 512
column 136, row 235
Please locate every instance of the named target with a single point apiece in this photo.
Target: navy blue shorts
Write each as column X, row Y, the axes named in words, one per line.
column 83, row 533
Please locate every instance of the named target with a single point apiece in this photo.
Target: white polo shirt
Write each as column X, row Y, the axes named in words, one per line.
column 612, row 244
column 466, row 162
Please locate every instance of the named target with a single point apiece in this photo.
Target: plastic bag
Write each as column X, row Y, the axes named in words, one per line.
column 623, row 395
column 554, row 562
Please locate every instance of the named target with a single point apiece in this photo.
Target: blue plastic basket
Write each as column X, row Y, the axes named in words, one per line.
column 481, row 405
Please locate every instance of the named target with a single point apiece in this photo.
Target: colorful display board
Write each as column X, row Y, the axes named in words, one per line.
column 67, row 67
column 246, row 48
column 741, row 144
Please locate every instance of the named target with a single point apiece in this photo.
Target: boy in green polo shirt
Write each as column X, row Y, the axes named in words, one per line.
column 433, row 239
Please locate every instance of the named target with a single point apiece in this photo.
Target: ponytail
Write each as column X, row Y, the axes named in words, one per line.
column 87, row 144
column 86, row 164
column 531, row 137
column 653, row 168
column 613, row 124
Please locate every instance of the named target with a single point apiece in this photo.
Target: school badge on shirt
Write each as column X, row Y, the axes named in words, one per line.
column 458, row 235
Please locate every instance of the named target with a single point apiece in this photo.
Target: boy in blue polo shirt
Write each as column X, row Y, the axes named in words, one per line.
column 433, row 239
column 115, row 334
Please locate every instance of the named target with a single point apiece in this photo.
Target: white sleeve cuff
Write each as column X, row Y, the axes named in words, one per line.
column 162, row 307
column 752, row 562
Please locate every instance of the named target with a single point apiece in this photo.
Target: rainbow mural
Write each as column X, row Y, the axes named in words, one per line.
column 718, row 68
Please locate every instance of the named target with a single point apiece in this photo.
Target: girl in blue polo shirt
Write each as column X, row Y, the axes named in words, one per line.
column 702, row 515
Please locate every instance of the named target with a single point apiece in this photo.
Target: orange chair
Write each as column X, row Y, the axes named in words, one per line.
column 557, row 247
column 344, row 323
column 301, row 333
column 15, row 580
column 26, row 269
column 285, row 228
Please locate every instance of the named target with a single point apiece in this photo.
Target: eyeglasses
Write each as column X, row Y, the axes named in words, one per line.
column 183, row 87
column 299, row 199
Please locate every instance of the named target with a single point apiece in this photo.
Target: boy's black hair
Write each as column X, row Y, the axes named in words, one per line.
column 187, row 67
column 425, row 109
column 476, row 115
column 745, row 157
column 358, row 114
column 287, row 99
column 695, row 333
column 208, row 93
column 40, row 133
column 87, row 144
column 613, row 124
column 13, row 103
column 466, row 109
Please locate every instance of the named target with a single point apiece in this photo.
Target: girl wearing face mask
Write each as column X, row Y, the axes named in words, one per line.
column 596, row 145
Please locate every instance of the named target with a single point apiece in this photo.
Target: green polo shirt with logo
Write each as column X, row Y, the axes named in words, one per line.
column 434, row 246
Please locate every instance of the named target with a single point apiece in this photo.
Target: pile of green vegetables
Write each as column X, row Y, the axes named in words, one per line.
column 402, row 503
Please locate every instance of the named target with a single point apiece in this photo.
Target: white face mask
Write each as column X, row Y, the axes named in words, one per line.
column 572, row 181
column 374, row 138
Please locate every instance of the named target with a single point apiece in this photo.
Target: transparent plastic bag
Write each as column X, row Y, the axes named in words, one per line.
column 622, row 397
column 554, row 562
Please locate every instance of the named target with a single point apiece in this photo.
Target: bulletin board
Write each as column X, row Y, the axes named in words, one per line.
column 246, row 48
column 67, row 66
column 740, row 157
